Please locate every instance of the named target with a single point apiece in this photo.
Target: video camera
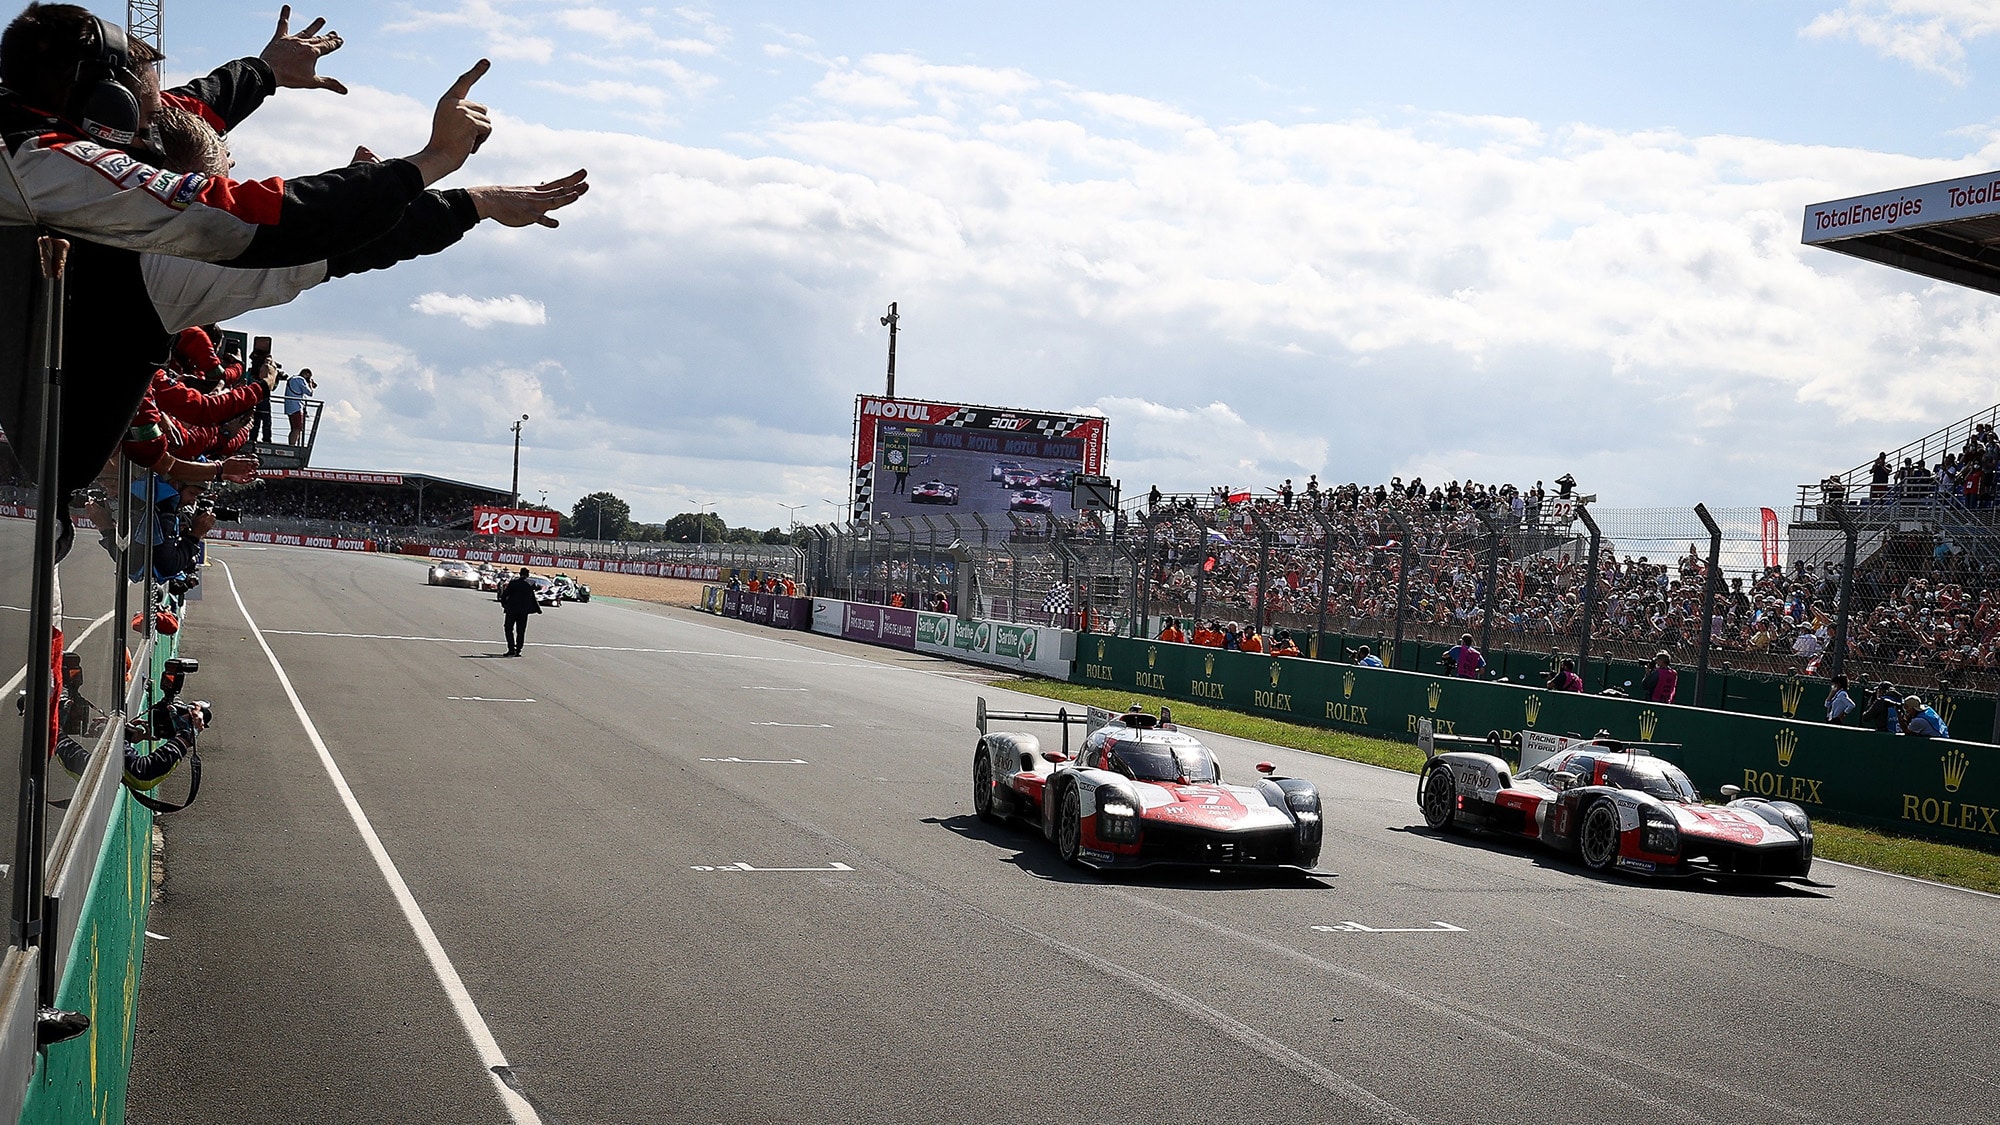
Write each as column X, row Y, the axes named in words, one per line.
column 222, row 513
column 173, row 725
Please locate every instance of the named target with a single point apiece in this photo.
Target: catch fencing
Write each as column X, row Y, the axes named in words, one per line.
column 1755, row 614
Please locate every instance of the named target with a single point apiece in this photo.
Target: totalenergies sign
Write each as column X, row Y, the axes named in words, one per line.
column 514, row 521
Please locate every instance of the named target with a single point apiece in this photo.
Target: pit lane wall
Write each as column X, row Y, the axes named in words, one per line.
column 1943, row 790
column 1036, row 649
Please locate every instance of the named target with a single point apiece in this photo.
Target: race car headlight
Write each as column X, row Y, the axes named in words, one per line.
column 1117, row 816
column 1796, row 817
column 1660, row 835
column 1304, row 805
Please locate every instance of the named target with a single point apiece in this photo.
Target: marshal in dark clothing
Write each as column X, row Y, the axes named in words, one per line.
column 517, row 600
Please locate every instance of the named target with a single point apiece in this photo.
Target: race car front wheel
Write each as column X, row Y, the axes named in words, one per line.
column 1597, row 839
column 982, row 786
column 1439, row 798
column 1069, row 826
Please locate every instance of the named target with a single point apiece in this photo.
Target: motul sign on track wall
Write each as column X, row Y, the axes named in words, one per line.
column 513, row 521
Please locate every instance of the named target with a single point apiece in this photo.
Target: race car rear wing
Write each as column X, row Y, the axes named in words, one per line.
column 1090, row 720
column 1531, row 747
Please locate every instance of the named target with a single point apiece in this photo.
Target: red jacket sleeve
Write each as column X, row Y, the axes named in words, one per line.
column 190, row 405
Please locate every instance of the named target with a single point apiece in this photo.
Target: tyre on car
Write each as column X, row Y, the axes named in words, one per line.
column 1069, row 825
column 982, row 786
column 1438, row 797
column 1597, row 836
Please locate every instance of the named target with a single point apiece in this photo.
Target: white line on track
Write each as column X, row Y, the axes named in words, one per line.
column 817, row 726
column 581, row 648
column 495, row 1061
column 483, row 699
column 69, row 645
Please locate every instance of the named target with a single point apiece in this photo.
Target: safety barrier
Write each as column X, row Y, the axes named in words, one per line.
column 775, row 610
column 1039, row 649
column 1944, row 790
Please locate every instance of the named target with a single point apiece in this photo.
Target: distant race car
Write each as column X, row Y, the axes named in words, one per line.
column 1019, row 478
column 491, row 577
column 1615, row 808
column 452, row 572
column 934, row 492
column 1002, row 468
column 1062, row 480
column 1141, row 792
column 546, row 592
column 569, row 589
column 1031, row 501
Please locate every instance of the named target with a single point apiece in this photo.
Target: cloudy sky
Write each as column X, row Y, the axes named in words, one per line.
column 1266, row 239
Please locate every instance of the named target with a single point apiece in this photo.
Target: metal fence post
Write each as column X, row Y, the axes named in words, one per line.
column 1852, row 535
column 1142, row 583
column 1263, row 571
column 1492, row 577
column 1589, row 593
column 1708, row 586
column 1402, row 585
column 1325, row 581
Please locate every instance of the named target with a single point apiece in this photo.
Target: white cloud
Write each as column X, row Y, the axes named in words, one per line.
column 1927, row 34
column 483, row 312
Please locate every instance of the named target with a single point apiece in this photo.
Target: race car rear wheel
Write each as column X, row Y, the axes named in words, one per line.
column 982, row 786
column 1069, row 825
column 1597, row 836
column 1440, row 798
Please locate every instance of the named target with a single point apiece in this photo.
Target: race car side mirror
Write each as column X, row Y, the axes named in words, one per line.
column 1054, row 757
column 1566, row 780
column 1730, row 792
column 1265, row 767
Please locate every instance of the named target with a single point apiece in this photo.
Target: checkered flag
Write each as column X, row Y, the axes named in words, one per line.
column 1055, row 603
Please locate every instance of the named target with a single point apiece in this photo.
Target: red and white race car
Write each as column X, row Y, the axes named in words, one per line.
column 1616, row 808
column 1141, row 792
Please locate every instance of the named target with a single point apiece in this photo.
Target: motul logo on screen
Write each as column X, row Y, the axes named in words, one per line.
column 909, row 411
column 513, row 521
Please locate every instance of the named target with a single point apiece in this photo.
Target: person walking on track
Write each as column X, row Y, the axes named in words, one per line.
column 517, row 600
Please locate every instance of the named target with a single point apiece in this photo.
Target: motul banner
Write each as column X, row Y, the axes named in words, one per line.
column 514, row 521
column 1770, row 536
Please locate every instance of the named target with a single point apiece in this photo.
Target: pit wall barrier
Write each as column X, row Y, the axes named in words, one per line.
column 775, row 610
column 1945, row 790
column 1037, row 649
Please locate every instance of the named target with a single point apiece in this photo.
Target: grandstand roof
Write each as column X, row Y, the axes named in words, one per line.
column 1949, row 230
column 365, row 476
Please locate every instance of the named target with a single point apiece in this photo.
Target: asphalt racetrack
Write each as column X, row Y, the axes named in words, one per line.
column 671, row 868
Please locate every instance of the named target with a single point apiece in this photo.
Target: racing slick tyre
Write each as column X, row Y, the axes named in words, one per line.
column 1439, row 799
column 1597, row 836
column 1069, row 825
column 982, row 786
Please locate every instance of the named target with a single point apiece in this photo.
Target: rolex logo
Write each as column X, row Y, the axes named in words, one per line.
column 1100, row 648
column 1788, row 744
column 1946, row 707
column 1347, row 685
column 1534, row 706
column 1276, row 668
column 1435, row 693
column 1208, row 665
column 1152, row 655
column 1955, row 765
column 1789, row 696
column 1649, row 721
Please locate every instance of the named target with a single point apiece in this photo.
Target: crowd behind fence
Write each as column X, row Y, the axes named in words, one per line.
column 1872, row 592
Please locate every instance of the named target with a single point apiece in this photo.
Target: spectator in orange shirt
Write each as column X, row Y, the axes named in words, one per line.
column 1253, row 641
column 1173, row 632
column 1284, row 645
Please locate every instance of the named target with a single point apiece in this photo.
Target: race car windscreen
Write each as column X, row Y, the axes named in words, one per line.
column 1657, row 779
column 1157, row 761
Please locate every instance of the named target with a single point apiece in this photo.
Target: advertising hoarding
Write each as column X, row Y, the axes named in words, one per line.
column 913, row 458
column 537, row 522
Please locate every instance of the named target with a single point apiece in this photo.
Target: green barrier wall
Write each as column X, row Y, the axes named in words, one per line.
column 1944, row 790
column 84, row 1079
column 1970, row 715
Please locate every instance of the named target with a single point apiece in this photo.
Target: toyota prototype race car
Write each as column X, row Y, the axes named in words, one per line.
column 1614, row 806
column 934, row 492
column 452, row 572
column 1141, row 792
column 1032, row 501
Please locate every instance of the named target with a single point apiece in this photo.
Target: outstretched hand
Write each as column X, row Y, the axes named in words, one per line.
column 522, row 206
column 294, row 59
column 458, row 127
column 240, row 469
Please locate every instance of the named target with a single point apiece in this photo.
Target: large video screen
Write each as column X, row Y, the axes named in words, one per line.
column 916, row 458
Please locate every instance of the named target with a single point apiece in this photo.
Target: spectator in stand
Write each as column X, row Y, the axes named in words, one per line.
column 1367, row 659
column 1465, row 661
column 1881, row 712
column 1565, row 678
column 1283, row 645
column 1232, row 636
column 1839, row 705
column 1210, row 635
column 1172, row 632
column 298, row 389
column 1253, row 641
column 1922, row 721
column 1660, row 681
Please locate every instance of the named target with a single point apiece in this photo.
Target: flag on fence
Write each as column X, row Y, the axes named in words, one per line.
column 1055, row 603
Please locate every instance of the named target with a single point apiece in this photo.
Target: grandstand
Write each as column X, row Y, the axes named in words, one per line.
column 358, row 499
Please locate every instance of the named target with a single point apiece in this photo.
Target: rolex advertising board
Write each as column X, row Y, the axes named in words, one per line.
column 1944, row 790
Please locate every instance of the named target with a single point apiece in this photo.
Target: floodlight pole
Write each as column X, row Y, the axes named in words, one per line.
column 890, row 321
column 514, row 492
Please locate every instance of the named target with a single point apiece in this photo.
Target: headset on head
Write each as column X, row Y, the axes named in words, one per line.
column 110, row 112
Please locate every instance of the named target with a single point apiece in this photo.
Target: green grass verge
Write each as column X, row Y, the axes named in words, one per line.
column 1901, row 855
